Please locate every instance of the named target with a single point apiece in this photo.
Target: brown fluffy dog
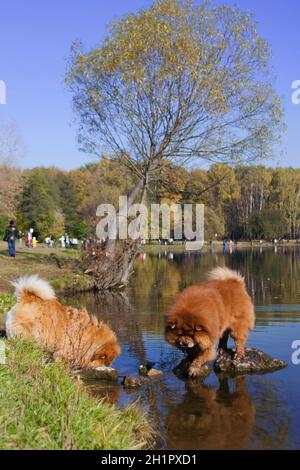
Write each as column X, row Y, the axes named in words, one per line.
column 70, row 334
column 203, row 315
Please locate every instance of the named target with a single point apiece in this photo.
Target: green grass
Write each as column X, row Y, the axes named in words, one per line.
column 58, row 266
column 6, row 302
column 44, row 407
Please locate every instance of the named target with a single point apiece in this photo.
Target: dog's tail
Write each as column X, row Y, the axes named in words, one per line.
column 225, row 274
column 33, row 286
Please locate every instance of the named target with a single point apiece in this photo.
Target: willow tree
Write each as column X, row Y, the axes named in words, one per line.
column 176, row 82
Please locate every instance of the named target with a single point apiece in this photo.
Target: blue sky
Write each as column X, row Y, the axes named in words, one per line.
column 35, row 39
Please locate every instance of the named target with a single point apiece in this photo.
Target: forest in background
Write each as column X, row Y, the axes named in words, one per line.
column 244, row 202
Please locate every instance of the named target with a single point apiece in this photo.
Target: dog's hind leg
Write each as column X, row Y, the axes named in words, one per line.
column 223, row 341
column 240, row 340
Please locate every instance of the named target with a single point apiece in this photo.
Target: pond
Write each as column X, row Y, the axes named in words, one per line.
column 252, row 412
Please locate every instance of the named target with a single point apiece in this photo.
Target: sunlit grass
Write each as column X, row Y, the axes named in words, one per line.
column 44, row 407
column 6, row 302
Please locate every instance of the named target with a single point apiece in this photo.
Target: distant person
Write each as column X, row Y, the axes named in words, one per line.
column 52, row 239
column 62, row 242
column 30, row 234
column 28, row 239
column 10, row 236
column 75, row 243
column 84, row 245
column 20, row 238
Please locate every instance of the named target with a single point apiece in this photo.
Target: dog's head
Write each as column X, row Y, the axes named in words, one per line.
column 105, row 355
column 187, row 334
column 192, row 322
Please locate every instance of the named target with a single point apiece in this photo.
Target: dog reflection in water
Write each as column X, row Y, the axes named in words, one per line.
column 108, row 393
column 210, row 419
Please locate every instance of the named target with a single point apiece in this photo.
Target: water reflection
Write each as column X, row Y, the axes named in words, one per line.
column 271, row 277
column 209, row 418
column 258, row 412
column 116, row 310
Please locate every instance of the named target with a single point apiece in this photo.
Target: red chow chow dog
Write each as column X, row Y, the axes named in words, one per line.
column 203, row 315
column 69, row 333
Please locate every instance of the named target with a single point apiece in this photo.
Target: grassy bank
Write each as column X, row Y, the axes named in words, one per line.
column 59, row 267
column 6, row 301
column 43, row 407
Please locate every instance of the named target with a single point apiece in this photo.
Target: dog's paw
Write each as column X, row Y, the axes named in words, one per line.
column 194, row 371
column 238, row 357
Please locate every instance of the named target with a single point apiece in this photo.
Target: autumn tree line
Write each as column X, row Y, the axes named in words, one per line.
column 242, row 202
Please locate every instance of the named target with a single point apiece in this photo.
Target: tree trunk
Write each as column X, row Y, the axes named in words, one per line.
column 111, row 262
column 111, row 243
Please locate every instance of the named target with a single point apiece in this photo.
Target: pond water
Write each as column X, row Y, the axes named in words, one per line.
column 252, row 412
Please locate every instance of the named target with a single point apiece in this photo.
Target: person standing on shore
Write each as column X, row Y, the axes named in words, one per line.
column 62, row 242
column 29, row 238
column 20, row 238
column 11, row 234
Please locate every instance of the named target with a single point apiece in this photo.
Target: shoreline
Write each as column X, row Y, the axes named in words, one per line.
column 61, row 267
column 30, row 372
column 216, row 247
column 57, row 411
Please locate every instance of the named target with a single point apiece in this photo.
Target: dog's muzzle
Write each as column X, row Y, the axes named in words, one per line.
column 186, row 344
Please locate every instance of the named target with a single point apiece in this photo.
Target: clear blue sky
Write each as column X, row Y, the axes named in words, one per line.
column 35, row 39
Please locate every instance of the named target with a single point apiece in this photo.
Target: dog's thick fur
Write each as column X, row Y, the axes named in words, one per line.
column 70, row 334
column 203, row 315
